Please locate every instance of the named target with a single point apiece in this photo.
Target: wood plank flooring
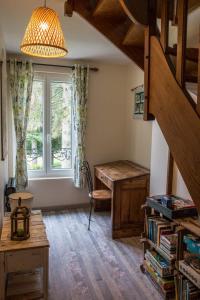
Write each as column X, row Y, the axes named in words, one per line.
column 89, row 265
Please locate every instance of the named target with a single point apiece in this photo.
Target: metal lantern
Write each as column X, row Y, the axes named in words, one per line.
column 20, row 221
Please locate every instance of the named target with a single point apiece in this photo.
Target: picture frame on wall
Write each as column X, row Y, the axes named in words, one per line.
column 138, row 103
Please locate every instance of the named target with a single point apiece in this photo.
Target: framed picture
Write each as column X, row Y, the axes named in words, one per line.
column 138, row 105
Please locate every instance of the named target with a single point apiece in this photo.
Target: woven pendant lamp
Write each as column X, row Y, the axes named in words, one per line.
column 44, row 36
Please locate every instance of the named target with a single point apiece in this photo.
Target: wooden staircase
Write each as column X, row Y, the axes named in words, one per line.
column 132, row 27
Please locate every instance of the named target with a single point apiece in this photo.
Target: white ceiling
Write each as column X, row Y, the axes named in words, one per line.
column 83, row 41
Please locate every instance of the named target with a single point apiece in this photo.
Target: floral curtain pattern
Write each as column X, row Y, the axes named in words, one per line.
column 80, row 96
column 21, row 82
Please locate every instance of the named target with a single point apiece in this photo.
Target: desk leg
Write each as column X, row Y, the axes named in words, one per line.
column 46, row 272
column 2, row 277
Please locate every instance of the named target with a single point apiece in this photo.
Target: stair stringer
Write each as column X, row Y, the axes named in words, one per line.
column 176, row 117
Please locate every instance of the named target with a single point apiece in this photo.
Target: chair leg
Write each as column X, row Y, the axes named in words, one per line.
column 91, row 207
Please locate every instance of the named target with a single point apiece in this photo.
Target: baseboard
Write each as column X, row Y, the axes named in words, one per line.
column 62, row 207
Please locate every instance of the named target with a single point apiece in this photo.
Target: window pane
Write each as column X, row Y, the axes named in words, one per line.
column 34, row 140
column 61, row 140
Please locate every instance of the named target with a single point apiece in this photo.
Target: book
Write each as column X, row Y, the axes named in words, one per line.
column 185, row 289
column 168, row 244
column 193, row 261
column 160, row 265
column 163, row 229
column 156, row 225
column 166, row 283
column 169, row 255
column 179, row 203
column 169, row 239
column 190, row 273
column 193, row 243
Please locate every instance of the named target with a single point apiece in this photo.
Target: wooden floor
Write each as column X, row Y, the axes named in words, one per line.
column 87, row 265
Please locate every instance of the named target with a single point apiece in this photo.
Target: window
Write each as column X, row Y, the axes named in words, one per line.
column 49, row 133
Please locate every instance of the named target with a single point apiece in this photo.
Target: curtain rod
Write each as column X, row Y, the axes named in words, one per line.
column 61, row 66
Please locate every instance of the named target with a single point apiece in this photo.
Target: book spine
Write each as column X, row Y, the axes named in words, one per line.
column 162, row 271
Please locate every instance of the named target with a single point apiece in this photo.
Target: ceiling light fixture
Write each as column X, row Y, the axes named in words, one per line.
column 44, row 36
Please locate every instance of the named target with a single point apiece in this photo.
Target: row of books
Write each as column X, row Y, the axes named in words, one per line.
column 172, row 207
column 159, row 264
column 168, row 243
column 161, row 233
column 185, row 289
column 159, row 260
column 186, row 269
column 166, row 283
column 157, row 226
column 174, row 202
column 160, row 272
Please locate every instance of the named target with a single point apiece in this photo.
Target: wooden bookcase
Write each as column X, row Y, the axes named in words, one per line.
column 183, row 226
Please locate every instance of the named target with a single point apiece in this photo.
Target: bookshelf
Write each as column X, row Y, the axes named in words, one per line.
column 171, row 244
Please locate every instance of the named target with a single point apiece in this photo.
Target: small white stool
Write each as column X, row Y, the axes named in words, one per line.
column 27, row 200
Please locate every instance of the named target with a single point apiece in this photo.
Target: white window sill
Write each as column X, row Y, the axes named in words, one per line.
column 49, row 178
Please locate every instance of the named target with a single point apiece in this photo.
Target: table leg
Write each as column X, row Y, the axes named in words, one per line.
column 2, row 277
column 45, row 272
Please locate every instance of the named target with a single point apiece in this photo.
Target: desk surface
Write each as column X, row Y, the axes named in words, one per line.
column 120, row 170
column 37, row 239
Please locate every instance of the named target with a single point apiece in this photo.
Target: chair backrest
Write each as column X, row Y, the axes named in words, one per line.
column 85, row 169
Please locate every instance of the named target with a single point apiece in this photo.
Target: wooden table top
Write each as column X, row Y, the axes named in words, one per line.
column 38, row 237
column 122, row 169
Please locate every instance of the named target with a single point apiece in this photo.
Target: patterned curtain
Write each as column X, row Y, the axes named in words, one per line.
column 20, row 82
column 80, row 97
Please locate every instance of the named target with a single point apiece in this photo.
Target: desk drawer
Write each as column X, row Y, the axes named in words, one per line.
column 104, row 179
column 23, row 260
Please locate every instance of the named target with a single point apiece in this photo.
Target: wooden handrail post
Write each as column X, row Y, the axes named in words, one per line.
column 170, row 173
column 149, row 31
column 198, row 82
column 182, row 37
column 164, row 24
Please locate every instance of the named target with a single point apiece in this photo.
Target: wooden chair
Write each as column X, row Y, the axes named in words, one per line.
column 100, row 195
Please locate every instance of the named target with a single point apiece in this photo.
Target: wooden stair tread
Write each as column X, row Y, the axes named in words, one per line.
column 191, row 53
column 137, row 11
column 171, row 10
column 191, row 78
column 193, row 4
column 109, row 9
column 110, row 27
column 135, row 36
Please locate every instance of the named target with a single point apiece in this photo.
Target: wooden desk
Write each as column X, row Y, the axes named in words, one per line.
column 129, row 184
column 26, row 255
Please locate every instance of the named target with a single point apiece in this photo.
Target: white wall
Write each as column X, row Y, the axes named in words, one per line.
column 3, row 164
column 105, row 140
column 159, row 165
column 146, row 145
column 138, row 132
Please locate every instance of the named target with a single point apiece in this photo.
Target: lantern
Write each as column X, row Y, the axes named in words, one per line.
column 20, row 223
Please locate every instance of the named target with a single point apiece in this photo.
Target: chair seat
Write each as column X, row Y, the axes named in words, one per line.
column 101, row 194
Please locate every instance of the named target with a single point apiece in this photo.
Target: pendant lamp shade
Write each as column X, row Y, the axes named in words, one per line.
column 44, row 36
